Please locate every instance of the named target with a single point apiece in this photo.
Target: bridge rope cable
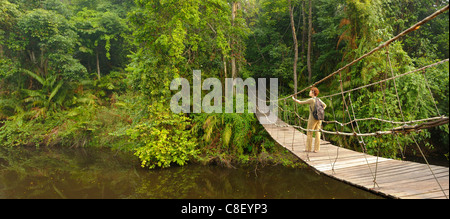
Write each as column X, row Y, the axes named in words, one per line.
column 435, row 121
column 380, row 82
column 383, row 89
column 419, row 124
column 400, row 107
column 388, row 42
column 340, row 139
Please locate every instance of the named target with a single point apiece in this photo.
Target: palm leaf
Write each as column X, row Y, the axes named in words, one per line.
column 55, row 91
column 51, row 81
column 34, row 93
column 35, row 76
column 226, row 135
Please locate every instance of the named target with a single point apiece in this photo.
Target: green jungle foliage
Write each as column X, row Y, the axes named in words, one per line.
column 96, row 73
column 163, row 138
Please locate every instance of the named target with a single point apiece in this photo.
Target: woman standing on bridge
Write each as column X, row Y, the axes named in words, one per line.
column 312, row 122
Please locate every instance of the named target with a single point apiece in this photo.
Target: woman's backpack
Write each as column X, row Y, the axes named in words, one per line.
column 318, row 112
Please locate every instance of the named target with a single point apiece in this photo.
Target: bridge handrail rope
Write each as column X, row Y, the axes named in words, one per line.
column 425, row 123
column 388, row 79
column 388, row 42
column 377, row 133
column 441, row 118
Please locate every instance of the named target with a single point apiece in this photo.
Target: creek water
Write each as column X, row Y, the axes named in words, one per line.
column 28, row 173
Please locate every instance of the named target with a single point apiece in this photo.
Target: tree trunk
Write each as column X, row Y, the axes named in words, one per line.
column 45, row 66
column 233, row 67
column 233, row 43
column 294, row 37
column 225, row 76
column 303, row 29
column 309, row 43
column 98, row 65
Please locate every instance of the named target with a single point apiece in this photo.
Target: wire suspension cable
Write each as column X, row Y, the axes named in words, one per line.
column 412, row 28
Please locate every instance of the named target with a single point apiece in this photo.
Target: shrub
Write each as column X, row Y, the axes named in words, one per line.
column 163, row 138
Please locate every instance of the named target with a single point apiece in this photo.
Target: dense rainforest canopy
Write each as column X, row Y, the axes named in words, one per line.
column 82, row 73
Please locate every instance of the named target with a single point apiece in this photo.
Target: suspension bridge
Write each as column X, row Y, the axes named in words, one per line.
column 388, row 177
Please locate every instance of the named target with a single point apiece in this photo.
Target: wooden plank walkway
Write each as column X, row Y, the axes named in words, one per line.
column 395, row 178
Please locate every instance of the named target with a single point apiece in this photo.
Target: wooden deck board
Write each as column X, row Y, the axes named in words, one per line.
column 395, row 178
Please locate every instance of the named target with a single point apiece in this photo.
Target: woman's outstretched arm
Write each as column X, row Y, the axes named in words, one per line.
column 309, row 101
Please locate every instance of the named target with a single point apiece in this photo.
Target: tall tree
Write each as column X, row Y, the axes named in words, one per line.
column 303, row 29
column 98, row 31
column 234, row 11
column 195, row 35
column 45, row 43
column 309, row 42
column 294, row 37
column 237, row 35
column 8, row 16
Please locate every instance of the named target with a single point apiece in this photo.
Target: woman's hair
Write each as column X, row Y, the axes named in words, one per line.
column 315, row 90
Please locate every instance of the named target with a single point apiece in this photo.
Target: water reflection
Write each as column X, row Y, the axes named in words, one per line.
column 94, row 173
